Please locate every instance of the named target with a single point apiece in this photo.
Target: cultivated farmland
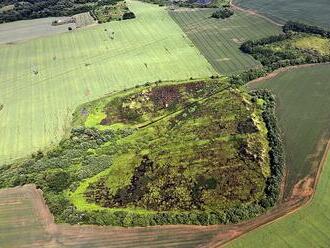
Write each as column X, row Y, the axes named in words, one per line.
column 314, row 12
column 21, row 222
column 26, row 222
column 43, row 80
column 219, row 40
column 302, row 119
column 14, row 32
column 303, row 97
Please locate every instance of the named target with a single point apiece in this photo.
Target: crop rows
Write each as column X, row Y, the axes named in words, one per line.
column 302, row 95
column 314, row 12
column 26, row 222
column 219, row 40
column 44, row 80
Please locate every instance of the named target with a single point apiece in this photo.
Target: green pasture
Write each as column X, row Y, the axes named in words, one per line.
column 304, row 117
column 43, row 80
column 219, row 40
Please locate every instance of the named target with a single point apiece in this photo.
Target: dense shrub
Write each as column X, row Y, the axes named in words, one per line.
column 128, row 15
column 222, row 13
column 300, row 27
column 274, row 59
column 31, row 9
column 276, row 153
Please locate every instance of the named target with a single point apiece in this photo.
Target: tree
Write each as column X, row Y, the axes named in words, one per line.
column 222, row 13
column 128, row 15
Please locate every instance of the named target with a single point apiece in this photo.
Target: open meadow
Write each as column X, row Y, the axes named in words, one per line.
column 44, row 80
column 219, row 40
column 314, row 12
column 303, row 97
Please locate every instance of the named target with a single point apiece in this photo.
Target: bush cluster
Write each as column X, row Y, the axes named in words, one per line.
column 273, row 59
column 300, row 27
column 32, row 9
column 276, row 154
column 222, row 13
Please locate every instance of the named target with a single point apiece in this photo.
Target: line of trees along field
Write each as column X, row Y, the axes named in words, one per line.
column 31, row 9
column 272, row 59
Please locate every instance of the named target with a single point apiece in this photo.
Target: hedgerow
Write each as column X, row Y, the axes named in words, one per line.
column 272, row 59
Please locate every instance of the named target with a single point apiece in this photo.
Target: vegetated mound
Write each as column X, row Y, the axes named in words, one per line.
column 206, row 154
column 1, row 107
column 191, row 153
column 104, row 10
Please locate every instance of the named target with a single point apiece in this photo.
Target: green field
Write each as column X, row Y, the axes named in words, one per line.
column 303, row 100
column 44, row 80
column 314, row 12
column 219, row 40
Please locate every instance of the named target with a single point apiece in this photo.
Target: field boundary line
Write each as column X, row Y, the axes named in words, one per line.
column 305, row 203
column 279, row 71
column 293, row 205
column 254, row 13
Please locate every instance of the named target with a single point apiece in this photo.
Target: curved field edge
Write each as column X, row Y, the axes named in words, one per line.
column 308, row 226
column 219, row 40
column 26, row 222
column 77, row 197
column 76, row 67
column 182, row 235
column 72, row 165
column 309, row 12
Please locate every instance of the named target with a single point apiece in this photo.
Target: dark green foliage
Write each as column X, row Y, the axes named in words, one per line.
column 32, row 9
column 128, row 15
column 300, row 27
column 178, row 190
column 276, row 154
column 247, row 76
column 57, row 179
column 191, row 3
column 288, row 56
column 222, row 13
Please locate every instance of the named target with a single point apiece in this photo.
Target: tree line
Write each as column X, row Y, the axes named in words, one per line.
column 272, row 59
column 31, row 9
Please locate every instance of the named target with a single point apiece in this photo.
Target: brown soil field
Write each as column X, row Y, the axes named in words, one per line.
column 28, row 223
